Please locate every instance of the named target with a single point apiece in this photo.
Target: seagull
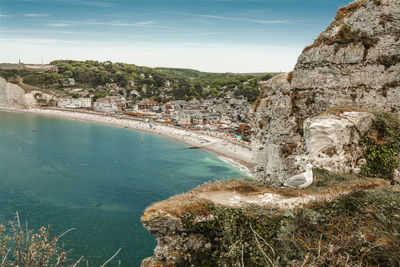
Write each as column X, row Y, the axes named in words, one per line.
column 301, row 180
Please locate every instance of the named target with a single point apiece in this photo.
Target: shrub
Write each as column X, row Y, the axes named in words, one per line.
column 382, row 146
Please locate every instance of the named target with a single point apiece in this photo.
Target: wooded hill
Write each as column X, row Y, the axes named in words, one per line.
column 162, row 84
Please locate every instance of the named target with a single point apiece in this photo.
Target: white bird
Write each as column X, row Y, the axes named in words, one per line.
column 301, row 180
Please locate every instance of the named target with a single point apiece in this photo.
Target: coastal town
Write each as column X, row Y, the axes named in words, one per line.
column 227, row 115
column 220, row 107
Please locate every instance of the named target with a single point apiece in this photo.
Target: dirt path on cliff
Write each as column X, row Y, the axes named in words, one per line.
column 283, row 197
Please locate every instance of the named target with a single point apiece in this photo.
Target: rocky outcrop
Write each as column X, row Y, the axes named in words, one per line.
column 38, row 98
column 332, row 140
column 174, row 240
column 353, row 64
column 13, row 95
column 225, row 223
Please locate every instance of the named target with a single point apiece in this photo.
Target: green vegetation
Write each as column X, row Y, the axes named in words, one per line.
column 234, row 235
column 382, row 146
column 361, row 228
column 217, row 84
column 324, row 178
column 344, row 37
column 107, row 78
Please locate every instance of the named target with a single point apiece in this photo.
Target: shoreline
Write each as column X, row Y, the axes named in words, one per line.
column 235, row 155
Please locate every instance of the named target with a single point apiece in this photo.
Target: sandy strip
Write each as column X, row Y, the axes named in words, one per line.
column 240, row 154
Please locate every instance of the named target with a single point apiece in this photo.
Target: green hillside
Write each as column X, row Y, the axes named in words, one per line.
column 162, row 84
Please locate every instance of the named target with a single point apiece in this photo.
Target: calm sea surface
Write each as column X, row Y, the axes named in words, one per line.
column 95, row 178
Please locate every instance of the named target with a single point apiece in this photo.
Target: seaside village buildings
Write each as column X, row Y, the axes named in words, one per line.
column 228, row 114
column 74, row 103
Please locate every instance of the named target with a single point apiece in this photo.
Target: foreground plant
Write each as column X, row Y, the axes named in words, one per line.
column 21, row 247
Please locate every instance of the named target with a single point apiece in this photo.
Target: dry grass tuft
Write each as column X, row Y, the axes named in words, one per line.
column 349, row 10
column 345, row 35
column 243, row 186
column 180, row 205
column 290, row 77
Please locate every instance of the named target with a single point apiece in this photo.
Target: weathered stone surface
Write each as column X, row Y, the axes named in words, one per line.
column 13, row 95
column 354, row 63
column 10, row 94
column 173, row 241
column 35, row 98
column 332, row 141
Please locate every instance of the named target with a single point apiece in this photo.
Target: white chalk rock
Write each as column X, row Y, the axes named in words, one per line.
column 332, row 140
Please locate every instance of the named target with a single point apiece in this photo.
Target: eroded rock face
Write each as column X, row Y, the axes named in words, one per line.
column 173, row 240
column 332, row 140
column 38, row 98
column 355, row 62
column 11, row 94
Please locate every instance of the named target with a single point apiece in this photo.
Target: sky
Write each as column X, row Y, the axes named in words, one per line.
column 208, row 35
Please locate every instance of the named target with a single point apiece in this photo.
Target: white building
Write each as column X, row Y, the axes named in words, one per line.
column 105, row 106
column 83, row 102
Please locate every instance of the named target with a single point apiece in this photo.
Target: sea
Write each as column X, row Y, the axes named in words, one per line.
column 95, row 178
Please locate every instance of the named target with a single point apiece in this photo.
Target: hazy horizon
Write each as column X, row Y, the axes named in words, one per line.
column 206, row 35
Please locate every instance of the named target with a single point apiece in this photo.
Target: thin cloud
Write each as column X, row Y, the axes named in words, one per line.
column 58, row 24
column 97, row 4
column 38, row 31
column 77, row 3
column 260, row 21
column 149, row 22
column 196, row 34
column 36, row 15
column 37, row 41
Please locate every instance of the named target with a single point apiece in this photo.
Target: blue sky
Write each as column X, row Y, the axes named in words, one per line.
column 209, row 35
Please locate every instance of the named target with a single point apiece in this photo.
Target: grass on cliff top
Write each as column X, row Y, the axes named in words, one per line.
column 331, row 183
column 361, row 228
column 324, row 183
column 344, row 37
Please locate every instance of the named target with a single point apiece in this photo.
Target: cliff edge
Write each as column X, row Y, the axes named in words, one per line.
column 352, row 69
column 338, row 109
column 337, row 221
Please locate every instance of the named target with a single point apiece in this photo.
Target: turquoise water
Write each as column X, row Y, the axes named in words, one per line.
column 95, row 178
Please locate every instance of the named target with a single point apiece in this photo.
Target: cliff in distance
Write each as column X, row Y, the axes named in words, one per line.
column 353, row 66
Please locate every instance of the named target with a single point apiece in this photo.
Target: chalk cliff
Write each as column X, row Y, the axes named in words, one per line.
column 13, row 95
column 354, row 64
